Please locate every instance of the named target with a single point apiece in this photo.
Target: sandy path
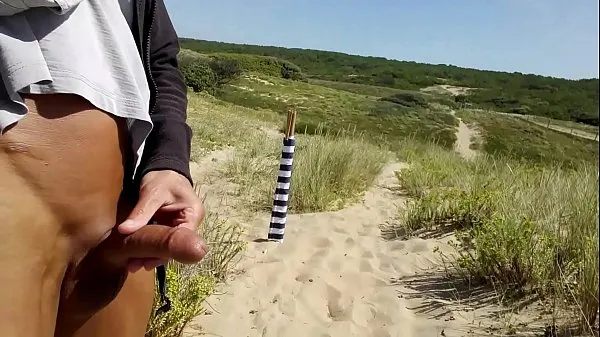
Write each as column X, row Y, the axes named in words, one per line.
column 463, row 139
column 558, row 128
column 447, row 89
column 563, row 129
column 333, row 276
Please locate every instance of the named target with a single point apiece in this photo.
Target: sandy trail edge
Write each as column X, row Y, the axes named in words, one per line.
column 463, row 139
column 333, row 276
column 558, row 128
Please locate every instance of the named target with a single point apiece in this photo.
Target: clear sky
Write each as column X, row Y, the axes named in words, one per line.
column 548, row 37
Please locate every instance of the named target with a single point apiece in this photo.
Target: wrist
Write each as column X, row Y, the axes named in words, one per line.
column 167, row 164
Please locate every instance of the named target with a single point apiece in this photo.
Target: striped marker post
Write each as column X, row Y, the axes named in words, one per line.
column 282, row 189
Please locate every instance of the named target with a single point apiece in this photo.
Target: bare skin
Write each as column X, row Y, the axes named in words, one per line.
column 61, row 179
column 54, row 205
column 128, row 314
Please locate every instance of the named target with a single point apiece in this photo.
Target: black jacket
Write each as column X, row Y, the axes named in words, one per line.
column 168, row 145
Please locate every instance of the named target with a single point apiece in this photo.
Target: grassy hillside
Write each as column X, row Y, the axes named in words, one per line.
column 513, row 137
column 513, row 217
column 507, row 92
column 523, row 211
column 384, row 115
column 333, row 110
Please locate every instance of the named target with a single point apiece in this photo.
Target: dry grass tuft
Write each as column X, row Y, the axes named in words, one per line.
column 329, row 170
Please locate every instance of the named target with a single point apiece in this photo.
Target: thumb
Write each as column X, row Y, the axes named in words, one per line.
column 141, row 214
column 162, row 242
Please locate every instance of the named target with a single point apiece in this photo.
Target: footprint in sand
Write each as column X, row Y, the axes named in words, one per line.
column 335, row 265
column 322, row 242
column 316, row 260
column 365, row 266
column 349, row 243
column 287, row 306
column 397, row 245
column 367, row 254
column 305, row 277
column 340, row 230
column 385, row 265
column 337, row 304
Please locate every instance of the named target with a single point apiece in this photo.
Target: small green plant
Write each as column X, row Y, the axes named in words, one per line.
column 187, row 290
column 189, row 285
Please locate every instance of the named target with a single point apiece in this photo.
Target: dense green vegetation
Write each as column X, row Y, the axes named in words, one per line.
column 209, row 72
column 508, row 92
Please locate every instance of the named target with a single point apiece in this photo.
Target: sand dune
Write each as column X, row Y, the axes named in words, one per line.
column 334, row 275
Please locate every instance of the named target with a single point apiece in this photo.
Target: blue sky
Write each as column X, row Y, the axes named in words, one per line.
column 548, row 37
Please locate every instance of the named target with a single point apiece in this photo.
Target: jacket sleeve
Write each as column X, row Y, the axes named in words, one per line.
column 168, row 145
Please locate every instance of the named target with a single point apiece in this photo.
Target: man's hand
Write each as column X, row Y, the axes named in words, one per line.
column 167, row 198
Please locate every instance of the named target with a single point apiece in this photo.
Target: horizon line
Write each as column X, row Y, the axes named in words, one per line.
column 397, row 60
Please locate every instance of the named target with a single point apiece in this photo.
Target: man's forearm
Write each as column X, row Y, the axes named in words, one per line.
column 168, row 146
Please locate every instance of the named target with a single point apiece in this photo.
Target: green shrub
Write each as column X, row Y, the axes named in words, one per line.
column 461, row 99
column 291, row 71
column 208, row 75
column 225, row 70
column 524, row 228
column 460, row 209
column 199, row 76
column 265, row 65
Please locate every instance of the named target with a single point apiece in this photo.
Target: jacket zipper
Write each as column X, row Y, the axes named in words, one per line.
column 147, row 56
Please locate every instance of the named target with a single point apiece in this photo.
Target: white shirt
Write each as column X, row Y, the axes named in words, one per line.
column 82, row 47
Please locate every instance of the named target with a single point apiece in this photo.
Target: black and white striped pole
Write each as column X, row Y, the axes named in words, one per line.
column 284, row 179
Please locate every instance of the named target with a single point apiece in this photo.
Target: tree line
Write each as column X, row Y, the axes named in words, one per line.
column 575, row 100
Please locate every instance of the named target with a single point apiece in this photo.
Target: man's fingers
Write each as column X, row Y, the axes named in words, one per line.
column 192, row 210
column 164, row 243
column 143, row 211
